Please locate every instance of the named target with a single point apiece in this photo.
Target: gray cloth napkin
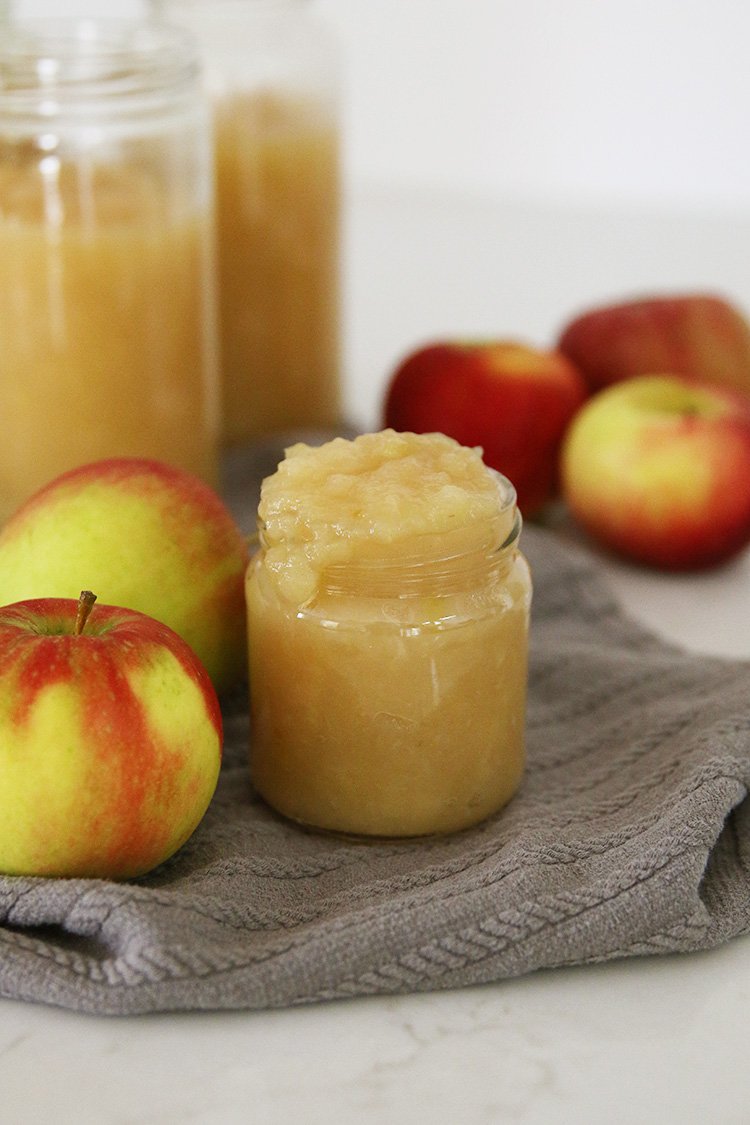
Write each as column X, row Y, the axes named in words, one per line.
column 630, row 835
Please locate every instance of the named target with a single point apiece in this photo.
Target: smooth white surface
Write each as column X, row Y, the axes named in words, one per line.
column 659, row 1040
column 623, row 101
column 635, row 1043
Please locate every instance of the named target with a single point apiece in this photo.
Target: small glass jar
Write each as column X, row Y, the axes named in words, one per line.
column 393, row 704
column 108, row 339
column 270, row 69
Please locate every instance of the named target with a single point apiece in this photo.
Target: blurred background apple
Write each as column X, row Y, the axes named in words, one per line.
column 700, row 335
column 657, row 468
column 513, row 400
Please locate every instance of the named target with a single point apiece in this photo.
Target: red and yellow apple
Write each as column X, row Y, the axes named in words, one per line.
column 513, row 400
column 110, row 740
column 657, row 469
column 698, row 335
column 144, row 535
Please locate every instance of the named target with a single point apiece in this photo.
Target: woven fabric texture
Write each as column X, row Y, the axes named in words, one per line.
column 630, row 836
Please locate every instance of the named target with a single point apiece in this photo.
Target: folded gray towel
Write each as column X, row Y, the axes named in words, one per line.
column 630, row 835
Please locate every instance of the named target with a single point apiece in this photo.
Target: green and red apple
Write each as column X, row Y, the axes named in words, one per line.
column 110, row 740
column 657, row 468
column 513, row 400
column 698, row 335
column 144, row 535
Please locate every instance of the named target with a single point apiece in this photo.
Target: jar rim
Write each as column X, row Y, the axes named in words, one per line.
column 487, row 552
column 90, row 65
column 509, row 503
column 441, row 561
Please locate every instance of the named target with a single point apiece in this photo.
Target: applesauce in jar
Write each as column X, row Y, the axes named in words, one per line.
column 388, row 613
column 271, row 73
column 277, row 172
column 107, row 317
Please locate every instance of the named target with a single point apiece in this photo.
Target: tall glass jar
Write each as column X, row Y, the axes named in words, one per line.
column 108, row 339
column 271, row 73
column 391, row 702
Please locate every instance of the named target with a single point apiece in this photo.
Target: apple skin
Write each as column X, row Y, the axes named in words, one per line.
column 657, row 469
column 513, row 400
column 700, row 336
column 110, row 741
column 144, row 535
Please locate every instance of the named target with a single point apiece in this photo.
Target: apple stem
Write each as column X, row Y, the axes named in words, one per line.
column 85, row 605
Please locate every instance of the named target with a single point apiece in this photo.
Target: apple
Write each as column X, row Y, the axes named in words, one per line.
column 145, row 535
column 110, row 740
column 657, row 468
column 698, row 335
column 513, row 400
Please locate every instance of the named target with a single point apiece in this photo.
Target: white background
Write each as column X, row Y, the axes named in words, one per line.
column 611, row 101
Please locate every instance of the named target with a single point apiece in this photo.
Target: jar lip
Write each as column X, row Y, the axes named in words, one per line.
column 63, row 64
column 494, row 542
column 509, row 502
column 443, row 559
column 488, row 550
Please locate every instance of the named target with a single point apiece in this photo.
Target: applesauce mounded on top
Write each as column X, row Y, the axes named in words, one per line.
column 388, row 616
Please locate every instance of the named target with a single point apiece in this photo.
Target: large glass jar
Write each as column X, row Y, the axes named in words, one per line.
column 271, row 74
column 388, row 698
column 107, row 289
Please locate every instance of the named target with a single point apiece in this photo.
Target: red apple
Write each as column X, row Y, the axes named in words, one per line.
column 110, row 740
column 698, row 335
column 657, row 468
column 513, row 400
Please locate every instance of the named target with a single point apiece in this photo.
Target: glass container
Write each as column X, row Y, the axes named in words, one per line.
column 108, row 341
column 392, row 704
column 271, row 72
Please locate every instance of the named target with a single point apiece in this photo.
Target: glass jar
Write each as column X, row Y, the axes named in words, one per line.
column 392, row 705
column 107, row 291
column 270, row 69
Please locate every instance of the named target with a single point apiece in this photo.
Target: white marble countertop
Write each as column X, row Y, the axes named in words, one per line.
column 648, row 1040
column 631, row 1043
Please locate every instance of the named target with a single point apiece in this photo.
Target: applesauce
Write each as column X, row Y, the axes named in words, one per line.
column 388, row 617
column 277, row 182
column 107, row 317
column 272, row 76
